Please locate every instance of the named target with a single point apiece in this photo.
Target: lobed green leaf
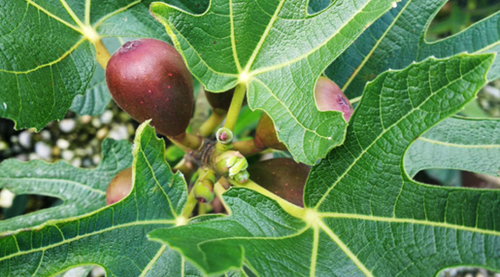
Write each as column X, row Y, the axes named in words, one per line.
column 398, row 38
column 47, row 57
column 113, row 237
column 364, row 215
column 257, row 43
column 81, row 190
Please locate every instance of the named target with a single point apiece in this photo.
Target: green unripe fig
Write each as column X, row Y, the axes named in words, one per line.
column 203, row 191
column 149, row 80
column 283, row 177
column 120, row 186
column 329, row 97
column 220, row 101
column 265, row 134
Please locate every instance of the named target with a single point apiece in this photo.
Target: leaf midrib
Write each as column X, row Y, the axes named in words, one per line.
column 409, row 221
column 262, row 38
column 62, row 57
column 367, row 57
column 307, row 54
column 78, row 28
column 42, row 180
column 457, row 145
column 65, row 241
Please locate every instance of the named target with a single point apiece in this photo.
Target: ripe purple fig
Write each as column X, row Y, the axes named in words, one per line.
column 283, row 177
column 329, row 97
column 149, row 80
column 220, row 101
column 120, row 186
column 265, row 134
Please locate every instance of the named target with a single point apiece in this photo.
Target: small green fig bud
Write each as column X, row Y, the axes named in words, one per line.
column 265, row 134
column 238, row 166
column 242, row 176
column 230, row 163
column 224, row 136
column 203, row 191
column 210, row 175
column 120, row 186
column 329, row 97
column 283, row 177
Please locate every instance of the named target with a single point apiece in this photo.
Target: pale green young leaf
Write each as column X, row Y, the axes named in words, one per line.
column 364, row 215
column 81, row 190
column 398, row 38
column 278, row 51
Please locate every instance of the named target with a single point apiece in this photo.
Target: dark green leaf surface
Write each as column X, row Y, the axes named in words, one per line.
column 278, row 51
column 113, row 237
column 47, row 57
column 364, row 215
column 458, row 143
column 96, row 97
column 398, row 38
column 81, row 190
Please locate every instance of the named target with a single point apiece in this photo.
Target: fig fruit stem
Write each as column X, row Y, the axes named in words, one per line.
column 102, row 54
column 247, row 147
column 212, row 124
column 234, row 109
column 186, row 167
column 290, row 208
column 219, row 189
column 178, row 144
column 188, row 140
column 202, row 208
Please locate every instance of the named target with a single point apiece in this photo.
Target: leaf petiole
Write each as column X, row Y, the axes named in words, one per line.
column 212, row 124
column 290, row 208
column 234, row 109
column 188, row 209
column 102, row 54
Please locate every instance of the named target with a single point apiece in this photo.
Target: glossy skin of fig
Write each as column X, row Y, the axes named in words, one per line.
column 220, row 101
column 283, row 177
column 329, row 97
column 120, row 186
column 265, row 134
column 149, row 80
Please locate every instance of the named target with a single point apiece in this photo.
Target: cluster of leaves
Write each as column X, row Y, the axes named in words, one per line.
column 364, row 215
